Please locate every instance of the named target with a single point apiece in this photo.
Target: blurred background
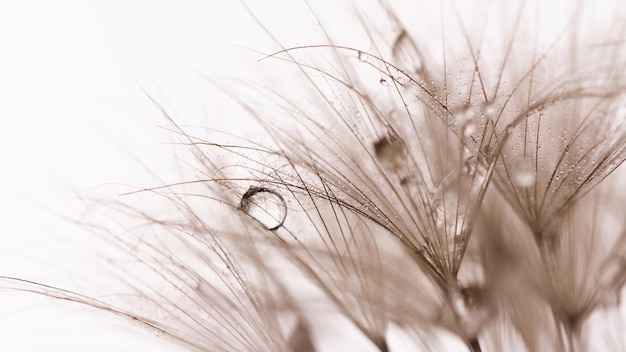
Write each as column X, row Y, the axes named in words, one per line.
column 74, row 121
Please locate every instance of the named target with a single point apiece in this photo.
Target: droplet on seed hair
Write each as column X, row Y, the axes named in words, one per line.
column 405, row 52
column 363, row 56
column 523, row 174
column 265, row 206
column 391, row 152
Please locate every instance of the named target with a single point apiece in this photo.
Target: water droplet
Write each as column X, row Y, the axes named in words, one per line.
column 523, row 174
column 391, row 152
column 402, row 79
column 365, row 57
column 405, row 52
column 265, row 206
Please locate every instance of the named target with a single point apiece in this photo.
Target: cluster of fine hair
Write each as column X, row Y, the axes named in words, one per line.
column 456, row 180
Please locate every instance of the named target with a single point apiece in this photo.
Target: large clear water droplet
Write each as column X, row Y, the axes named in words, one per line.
column 265, row 206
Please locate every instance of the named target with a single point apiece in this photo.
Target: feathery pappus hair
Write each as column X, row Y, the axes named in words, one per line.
column 446, row 174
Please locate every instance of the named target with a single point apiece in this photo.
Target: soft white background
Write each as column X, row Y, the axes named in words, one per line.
column 73, row 119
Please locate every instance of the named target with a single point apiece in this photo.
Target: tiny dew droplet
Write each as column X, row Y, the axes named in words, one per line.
column 523, row 174
column 265, row 206
column 363, row 56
